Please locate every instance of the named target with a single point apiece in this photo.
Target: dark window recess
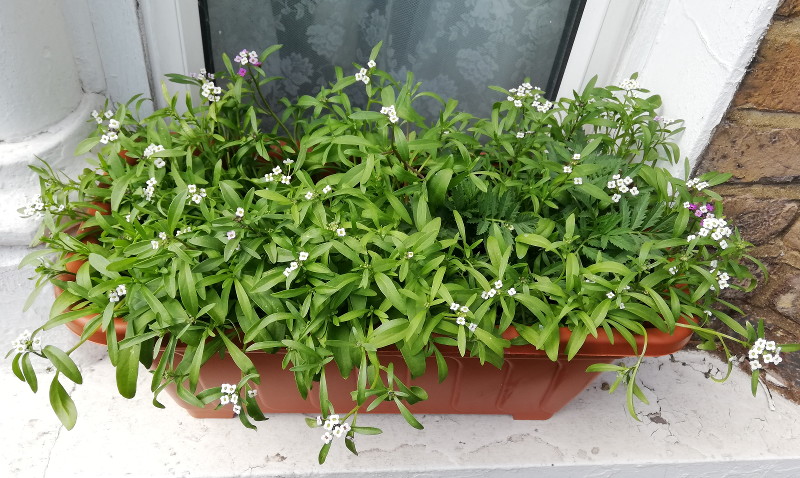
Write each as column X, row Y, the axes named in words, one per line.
column 455, row 48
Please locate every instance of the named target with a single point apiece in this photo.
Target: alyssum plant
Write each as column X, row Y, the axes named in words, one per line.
column 327, row 232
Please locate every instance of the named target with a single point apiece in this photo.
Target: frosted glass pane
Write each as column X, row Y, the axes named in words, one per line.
column 455, row 48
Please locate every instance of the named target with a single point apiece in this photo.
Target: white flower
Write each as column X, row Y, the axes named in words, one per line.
column 673, row 270
column 622, row 305
column 691, row 237
column 409, row 254
column 371, row 63
column 454, row 306
column 293, row 265
column 309, row 195
column 753, row 354
column 491, row 293
column 616, row 197
column 109, row 114
column 121, row 290
column 623, row 189
column 473, row 326
column 627, row 180
column 327, row 189
column 239, row 212
column 197, row 198
column 231, row 234
column 464, row 309
column 319, row 421
column 755, row 365
column 288, row 161
column 286, row 179
column 770, row 345
column 776, row 359
column 234, row 399
column 277, row 170
column 629, row 84
column 610, row 295
column 224, row 400
column 95, row 114
column 154, row 244
column 703, row 232
column 578, row 180
column 687, row 205
column 510, row 98
column 113, row 296
column 615, row 177
column 517, row 103
column 723, row 244
column 634, row 191
column 460, row 320
column 338, row 431
column 512, row 291
column 191, row 188
column 159, row 163
column 114, row 124
column 302, row 256
column 484, row 295
column 327, row 437
column 104, row 139
column 237, row 409
column 567, row 169
column 520, row 134
column 345, row 427
column 112, row 136
column 287, row 272
column 328, row 425
column 202, row 192
column 359, row 76
column 576, row 157
column 162, row 236
column 341, row 232
column 611, row 185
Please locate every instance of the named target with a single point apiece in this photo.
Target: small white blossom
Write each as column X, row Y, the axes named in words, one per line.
column 341, row 232
column 610, row 295
column 109, row 114
column 231, row 234
column 520, row 134
column 277, row 170
column 286, row 179
column 517, row 103
column 327, row 189
column 463, row 309
column 454, row 306
column 616, row 197
column 409, row 254
column 159, row 163
column 371, row 63
column 578, row 181
column 576, row 157
column 473, row 326
column 567, row 169
column 461, row 320
column 309, row 195
column 224, row 400
column 237, row 409
column 162, row 236
column 673, row 270
column 239, row 212
column 113, row 296
column 192, row 188
column 327, row 437
column 154, row 244
column 302, row 256
column 512, row 291
column 755, row 365
column 197, row 198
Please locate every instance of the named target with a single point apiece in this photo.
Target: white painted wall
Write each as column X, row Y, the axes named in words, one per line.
column 39, row 78
column 694, row 54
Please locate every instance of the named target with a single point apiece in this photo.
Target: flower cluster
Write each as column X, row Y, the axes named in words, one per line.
column 203, row 75
column 244, row 57
column 521, row 92
column 363, row 74
column 151, row 150
column 230, row 396
column 294, row 265
column 621, row 186
column 116, row 294
column 24, row 343
column 98, row 118
column 696, row 183
column 113, row 126
column 334, row 426
column 150, row 189
column 629, row 84
column 716, row 227
column 390, row 112
column 35, row 207
column 767, row 350
column 210, row 91
column 699, row 209
column 197, row 194
column 461, row 312
column 498, row 285
column 185, row 230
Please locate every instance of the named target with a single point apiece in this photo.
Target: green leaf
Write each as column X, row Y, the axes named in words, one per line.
column 407, row 415
column 62, row 404
column 128, row 370
column 29, row 373
column 242, row 361
column 63, row 363
column 389, row 290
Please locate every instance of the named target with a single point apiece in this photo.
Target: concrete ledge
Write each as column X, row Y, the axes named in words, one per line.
column 692, row 427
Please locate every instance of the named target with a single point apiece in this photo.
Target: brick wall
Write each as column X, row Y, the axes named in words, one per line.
column 758, row 141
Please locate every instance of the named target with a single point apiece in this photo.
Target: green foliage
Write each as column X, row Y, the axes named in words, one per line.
column 332, row 230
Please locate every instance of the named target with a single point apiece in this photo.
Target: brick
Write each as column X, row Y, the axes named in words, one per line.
column 789, row 8
column 792, row 237
column 760, row 220
column 781, row 293
column 753, row 153
column 773, row 78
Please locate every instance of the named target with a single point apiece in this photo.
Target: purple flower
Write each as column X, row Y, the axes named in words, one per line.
column 242, row 72
column 710, row 207
column 692, row 207
column 698, row 213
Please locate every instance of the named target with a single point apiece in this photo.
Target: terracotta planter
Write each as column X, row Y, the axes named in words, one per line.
column 78, row 325
column 528, row 387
